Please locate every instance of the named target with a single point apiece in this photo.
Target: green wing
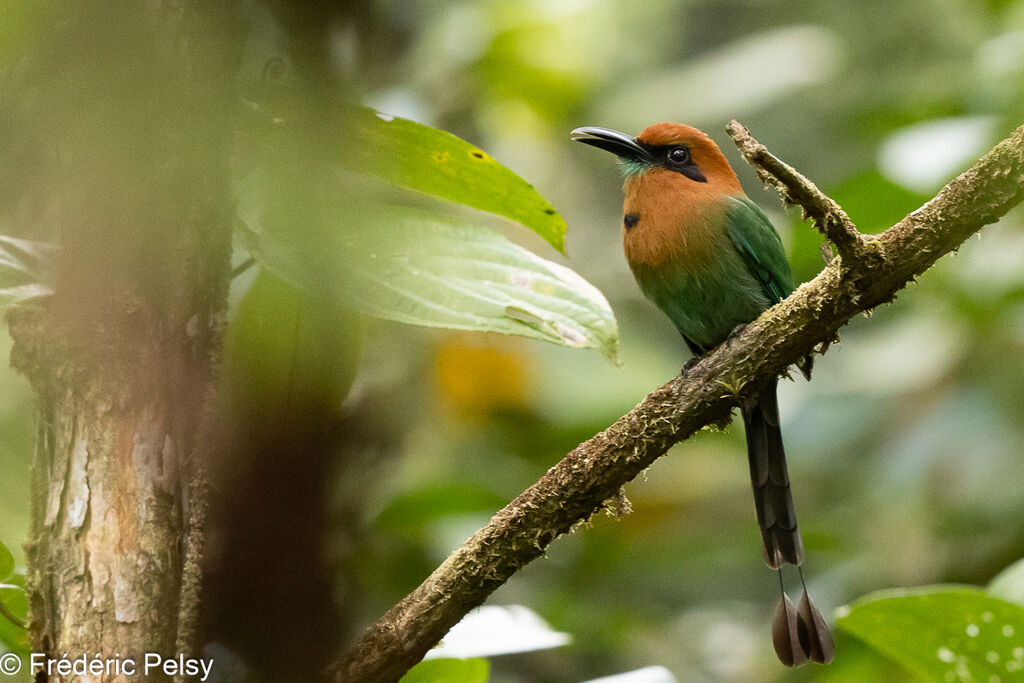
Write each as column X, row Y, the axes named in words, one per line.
column 760, row 246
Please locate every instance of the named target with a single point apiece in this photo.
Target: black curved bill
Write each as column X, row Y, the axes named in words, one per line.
column 612, row 141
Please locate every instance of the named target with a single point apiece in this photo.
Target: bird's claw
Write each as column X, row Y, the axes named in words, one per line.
column 736, row 331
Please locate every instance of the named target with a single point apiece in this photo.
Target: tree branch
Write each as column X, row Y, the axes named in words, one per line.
column 595, row 470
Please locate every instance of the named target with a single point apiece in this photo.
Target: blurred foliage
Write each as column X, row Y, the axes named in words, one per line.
column 1009, row 584
column 905, row 450
column 340, row 237
column 16, row 438
column 24, row 270
column 281, row 338
column 448, row 671
column 6, row 562
column 13, row 636
column 13, row 606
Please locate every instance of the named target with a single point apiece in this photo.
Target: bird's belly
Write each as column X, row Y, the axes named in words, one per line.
column 705, row 304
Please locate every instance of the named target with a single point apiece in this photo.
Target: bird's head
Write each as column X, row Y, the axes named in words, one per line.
column 666, row 148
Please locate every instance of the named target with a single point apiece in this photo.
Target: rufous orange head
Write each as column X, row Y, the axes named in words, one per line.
column 685, row 152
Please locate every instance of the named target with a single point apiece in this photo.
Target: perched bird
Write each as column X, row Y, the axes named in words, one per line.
column 710, row 259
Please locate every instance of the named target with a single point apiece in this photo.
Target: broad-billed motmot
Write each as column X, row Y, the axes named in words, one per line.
column 710, row 259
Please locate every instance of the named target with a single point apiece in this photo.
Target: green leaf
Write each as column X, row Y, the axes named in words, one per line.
column 6, row 562
column 449, row 671
column 424, row 269
column 15, row 601
column 437, row 163
column 858, row 662
column 287, row 351
column 1009, row 584
column 943, row 632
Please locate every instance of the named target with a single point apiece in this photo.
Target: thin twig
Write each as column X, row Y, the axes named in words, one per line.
column 594, row 472
column 795, row 189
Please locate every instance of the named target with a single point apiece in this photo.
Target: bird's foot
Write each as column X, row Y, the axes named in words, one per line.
column 690, row 364
column 736, row 331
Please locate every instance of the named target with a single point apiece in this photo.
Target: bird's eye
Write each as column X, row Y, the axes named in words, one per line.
column 679, row 155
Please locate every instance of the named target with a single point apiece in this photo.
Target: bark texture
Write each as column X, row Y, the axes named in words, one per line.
column 869, row 271
column 132, row 103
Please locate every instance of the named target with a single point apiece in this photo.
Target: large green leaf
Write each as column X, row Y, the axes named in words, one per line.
column 435, row 162
column 943, row 632
column 424, row 269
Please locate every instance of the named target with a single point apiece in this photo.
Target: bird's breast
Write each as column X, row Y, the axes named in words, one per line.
column 665, row 227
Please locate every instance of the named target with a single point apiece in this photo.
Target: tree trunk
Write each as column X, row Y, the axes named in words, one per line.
column 132, row 103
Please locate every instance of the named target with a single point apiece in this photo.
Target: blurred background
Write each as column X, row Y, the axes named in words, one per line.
column 906, row 448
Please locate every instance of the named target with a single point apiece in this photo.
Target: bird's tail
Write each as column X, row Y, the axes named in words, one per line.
column 800, row 633
column 773, row 500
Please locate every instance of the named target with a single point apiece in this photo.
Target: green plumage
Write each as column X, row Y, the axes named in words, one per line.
column 759, row 245
column 746, row 274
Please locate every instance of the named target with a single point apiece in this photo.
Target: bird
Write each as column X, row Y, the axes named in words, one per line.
column 712, row 261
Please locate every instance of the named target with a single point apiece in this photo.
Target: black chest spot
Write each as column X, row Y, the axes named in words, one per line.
column 630, row 220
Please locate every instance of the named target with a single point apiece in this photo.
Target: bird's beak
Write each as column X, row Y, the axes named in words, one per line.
column 620, row 144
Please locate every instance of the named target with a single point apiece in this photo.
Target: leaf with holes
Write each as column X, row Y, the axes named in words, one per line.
column 943, row 632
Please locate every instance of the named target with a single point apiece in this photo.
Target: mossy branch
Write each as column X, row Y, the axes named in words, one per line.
column 594, row 471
